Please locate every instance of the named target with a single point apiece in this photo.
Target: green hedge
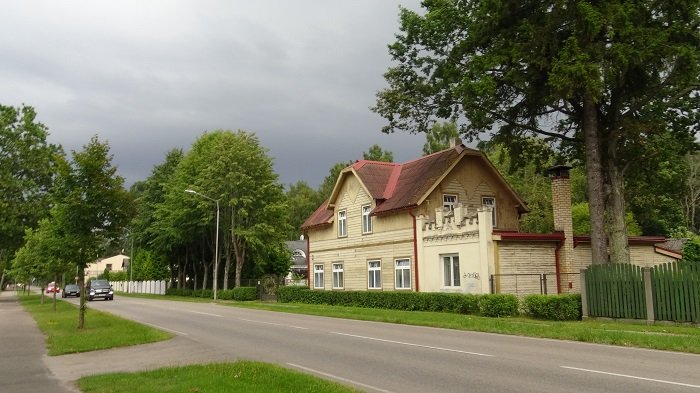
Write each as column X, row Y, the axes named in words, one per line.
column 241, row 294
column 498, row 305
column 553, row 307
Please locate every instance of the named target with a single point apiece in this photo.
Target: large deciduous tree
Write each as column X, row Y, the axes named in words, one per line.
column 27, row 169
column 439, row 136
column 600, row 78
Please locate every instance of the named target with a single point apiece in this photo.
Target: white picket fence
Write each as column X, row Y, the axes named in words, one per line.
column 152, row 287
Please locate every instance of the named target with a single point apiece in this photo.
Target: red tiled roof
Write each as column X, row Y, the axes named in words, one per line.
column 395, row 186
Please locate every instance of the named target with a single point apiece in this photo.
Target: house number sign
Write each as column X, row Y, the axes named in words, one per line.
column 472, row 275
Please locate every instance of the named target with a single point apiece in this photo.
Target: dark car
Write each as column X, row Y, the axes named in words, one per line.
column 71, row 290
column 97, row 289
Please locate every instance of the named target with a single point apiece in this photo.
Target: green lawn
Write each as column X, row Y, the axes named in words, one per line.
column 102, row 330
column 244, row 376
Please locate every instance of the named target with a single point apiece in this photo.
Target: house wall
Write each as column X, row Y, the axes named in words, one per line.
column 646, row 256
column 523, row 258
column 97, row 268
column 391, row 238
column 471, row 180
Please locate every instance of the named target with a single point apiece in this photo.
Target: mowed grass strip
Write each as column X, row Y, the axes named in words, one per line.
column 681, row 338
column 102, row 330
column 243, row 376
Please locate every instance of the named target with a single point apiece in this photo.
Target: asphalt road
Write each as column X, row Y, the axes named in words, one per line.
column 381, row 357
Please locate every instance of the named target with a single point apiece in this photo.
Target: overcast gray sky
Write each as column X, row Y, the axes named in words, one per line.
column 148, row 76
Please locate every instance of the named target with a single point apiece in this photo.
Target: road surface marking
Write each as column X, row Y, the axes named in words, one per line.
column 164, row 328
column 633, row 377
column 274, row 324
column 338, row 378
column 413, row 345
column 205, row 313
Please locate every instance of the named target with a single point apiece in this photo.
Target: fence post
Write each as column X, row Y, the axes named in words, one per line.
column 543, row 283
column 584, row 295
column 646, row 276
column 491, row 282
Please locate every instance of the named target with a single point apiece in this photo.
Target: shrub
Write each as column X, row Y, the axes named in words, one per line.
column 498, row 305
column 553, row 307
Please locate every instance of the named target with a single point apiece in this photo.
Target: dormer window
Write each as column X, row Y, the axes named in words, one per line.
column 449, row 202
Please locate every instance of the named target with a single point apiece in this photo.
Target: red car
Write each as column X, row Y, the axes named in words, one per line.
column 52, row 287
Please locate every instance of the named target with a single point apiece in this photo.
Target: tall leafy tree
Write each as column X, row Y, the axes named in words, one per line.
column 302, row 201
column 376, row 153
column 27, row 169
column 439, row 137
column 90, row 208
column 599, row 78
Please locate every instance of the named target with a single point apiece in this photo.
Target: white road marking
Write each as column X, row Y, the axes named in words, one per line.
column 274, row 324
column 414, row 345
column 164, row 328
column 632, row 376
column 205, row 313
column 338, row 378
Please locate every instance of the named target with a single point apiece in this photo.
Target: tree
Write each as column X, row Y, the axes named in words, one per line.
column 691, row 197
column 90, row 208
column 439, row 137
column 375, row 153
column 27, row 169
column 597, row 78
column 302, row 201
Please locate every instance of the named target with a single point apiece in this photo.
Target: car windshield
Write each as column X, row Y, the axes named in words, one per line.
column 71, row 287
column 99, row 284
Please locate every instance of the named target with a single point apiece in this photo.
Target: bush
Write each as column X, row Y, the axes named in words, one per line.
column 553, row 307
column 498, row 305
column 239, row 294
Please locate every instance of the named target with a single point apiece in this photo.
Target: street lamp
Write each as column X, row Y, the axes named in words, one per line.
column 216, row 247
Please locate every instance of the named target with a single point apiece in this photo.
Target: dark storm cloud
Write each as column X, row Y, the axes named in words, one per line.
column 152, row 76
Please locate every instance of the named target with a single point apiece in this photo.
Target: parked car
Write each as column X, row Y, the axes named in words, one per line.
column 97, row 289
column 71, row 290
column 52, row 287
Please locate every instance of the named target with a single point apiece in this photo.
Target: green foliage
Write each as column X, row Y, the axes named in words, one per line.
column 376, row 153
column 582, row 224
column 302, row 201
column 553, row 307
column 691, row 250
column 439, row 136
column 498, row 305
column 148, row 265
column 238, row 294
column 118, row 276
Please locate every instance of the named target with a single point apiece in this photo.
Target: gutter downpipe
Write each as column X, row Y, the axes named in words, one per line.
column 308, row 259
column 556, row 264
column 415, row 248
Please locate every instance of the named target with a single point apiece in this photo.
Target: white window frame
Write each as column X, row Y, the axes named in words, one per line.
column 450, row 270
column 319, row 277
column 450, row 205
column 374, row 274
column 399, row 272
column 342, row 223
column 338, row 275
column 492, row 205
column 366, row 219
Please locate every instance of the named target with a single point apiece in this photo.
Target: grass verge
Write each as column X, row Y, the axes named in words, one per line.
column 244, row 376
column 102, row 330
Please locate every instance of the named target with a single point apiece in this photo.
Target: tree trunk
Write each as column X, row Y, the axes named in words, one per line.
column 81, row 285
column 2, row 280
column 240, row 259
column 227, row 265
column 619, row 247
column 594, row 175
column 55, row 283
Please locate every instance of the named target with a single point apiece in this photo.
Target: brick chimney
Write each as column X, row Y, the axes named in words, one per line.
column 563, row 222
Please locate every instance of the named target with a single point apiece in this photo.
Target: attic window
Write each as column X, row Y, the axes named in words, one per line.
column 490, row 202
column 449, row 201
column 342, row 224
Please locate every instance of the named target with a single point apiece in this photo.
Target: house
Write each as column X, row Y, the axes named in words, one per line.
column 115, row 263
column 446, row 222
column 299, row 267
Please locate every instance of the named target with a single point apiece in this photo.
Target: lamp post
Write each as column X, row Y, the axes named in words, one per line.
column 216, row 247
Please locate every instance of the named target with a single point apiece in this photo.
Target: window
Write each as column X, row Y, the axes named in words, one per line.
column 450, row 270
column 490, row 202
column 318, row 276
column 374, row 275
column 109, row 267
column 337, row 275
column 366, row 219
column 403, row 274
column 449, row 202
column 342, row 224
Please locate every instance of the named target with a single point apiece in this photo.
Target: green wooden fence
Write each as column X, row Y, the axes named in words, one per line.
column 615, row 291
column 620, row 291
column 676, row 291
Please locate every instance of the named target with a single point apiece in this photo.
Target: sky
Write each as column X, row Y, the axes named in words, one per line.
column 150, row 76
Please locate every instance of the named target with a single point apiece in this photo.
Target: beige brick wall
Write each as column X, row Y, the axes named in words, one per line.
column 525, row 258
